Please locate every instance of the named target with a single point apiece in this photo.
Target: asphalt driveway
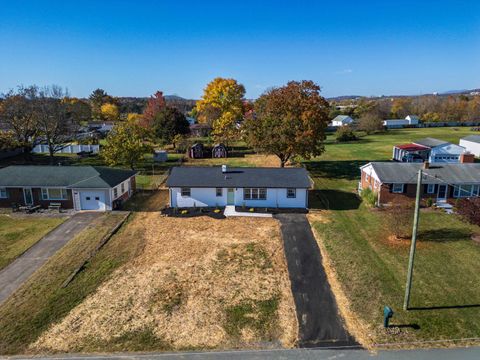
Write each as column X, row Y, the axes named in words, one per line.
column 319, row 322
column 15, row 274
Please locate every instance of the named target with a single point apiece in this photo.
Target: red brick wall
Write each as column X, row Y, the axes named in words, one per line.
column 409, row 194
column 15, row 195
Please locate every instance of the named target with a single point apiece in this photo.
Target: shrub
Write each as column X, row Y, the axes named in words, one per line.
column 345, row 133
column 469, row 209
column 369, row 196
column 429, row 202
column 399, row 220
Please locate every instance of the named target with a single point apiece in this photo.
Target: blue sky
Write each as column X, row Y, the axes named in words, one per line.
column 133, row 48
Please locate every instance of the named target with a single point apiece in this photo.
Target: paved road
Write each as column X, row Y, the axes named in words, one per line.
column 319, row 322
column 15, row 274
column 295, row 354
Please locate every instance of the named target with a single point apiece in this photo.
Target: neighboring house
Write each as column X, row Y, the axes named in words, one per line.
column 252, row 187
column 394, row 182
column 200, row 130
column 74, row 187
column 160, row 155
column 219, row 151
column 441, row 151
column 101, row 127
column 191, row 120
column 342, row 120
column 471, row 143
column 410, row 153
column 196, row 151
column 410, row 120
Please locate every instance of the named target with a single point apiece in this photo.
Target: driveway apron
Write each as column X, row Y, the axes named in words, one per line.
column 320, row 324
column 15, row 274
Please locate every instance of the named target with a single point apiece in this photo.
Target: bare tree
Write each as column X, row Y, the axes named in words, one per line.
column 55, row 121
column 18, row 113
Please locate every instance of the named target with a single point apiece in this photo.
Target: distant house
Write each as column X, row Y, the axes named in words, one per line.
column 441, row 151
column 394, row 182
column 342, row 120
column 252, row 187
column 200, row 130
column 472, row 144
column 196, row 151
column 191, row 120
column 73, row 187
column 219, row 151
column 101, row 127
column 409, row 120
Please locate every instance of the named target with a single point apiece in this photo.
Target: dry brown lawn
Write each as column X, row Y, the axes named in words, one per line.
column 199, row 283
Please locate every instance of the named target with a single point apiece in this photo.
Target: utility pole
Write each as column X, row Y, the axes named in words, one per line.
column 414, row 241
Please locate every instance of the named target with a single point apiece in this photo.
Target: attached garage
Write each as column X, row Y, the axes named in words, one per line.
column 92, row 200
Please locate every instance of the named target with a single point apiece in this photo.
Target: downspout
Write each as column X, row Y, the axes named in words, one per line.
column 379, row 192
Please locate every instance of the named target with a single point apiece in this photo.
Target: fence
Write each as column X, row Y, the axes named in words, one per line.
column 68, row 149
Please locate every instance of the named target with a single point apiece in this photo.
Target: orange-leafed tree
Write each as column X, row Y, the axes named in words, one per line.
column 155, row 104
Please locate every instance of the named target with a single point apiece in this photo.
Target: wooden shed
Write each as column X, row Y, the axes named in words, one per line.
column 219, row 151
column 196, row 151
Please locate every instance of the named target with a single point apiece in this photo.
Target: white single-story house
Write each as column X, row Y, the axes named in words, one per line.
column 442, row 151
column 342, row 120
column 252, row 187
column 400, row 123
column 71, row 187
column 472, row 144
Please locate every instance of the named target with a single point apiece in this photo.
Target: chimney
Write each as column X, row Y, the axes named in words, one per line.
column 467, row 158
column 224, row 169
column 426, row 165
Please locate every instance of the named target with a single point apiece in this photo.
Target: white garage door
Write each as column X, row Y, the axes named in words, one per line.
column 92, row 200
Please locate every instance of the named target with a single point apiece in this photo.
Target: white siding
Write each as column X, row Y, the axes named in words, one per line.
column 207, row 197
column 471, row 146
column 77, row 202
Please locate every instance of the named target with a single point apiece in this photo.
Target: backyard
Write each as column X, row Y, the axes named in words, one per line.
column 19, row 232
column 370, row 269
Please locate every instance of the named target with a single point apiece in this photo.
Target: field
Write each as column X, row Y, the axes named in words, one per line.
column 370, row 270
column 18, row 233
column 198, row 283
column 42, row 300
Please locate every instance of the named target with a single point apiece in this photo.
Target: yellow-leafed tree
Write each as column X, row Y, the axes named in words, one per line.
column 222, row 106
column 110, row 112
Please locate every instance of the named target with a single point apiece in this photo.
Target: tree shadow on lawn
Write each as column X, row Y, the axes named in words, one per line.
column 333, row 200
column 344, row 169
column 444, row 307
column 444, row 235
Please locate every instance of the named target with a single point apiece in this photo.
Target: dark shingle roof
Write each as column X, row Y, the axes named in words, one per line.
column 430, row 142
column 406, row 173
column 187, row 176
column 63, row 176
column 472, row 138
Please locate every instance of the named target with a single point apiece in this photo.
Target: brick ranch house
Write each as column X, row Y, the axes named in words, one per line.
column 443, row 182
column 73, row 187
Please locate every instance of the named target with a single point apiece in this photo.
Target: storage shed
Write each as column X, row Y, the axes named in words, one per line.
column 196, row 151
column 219, row 151
column 160, row 156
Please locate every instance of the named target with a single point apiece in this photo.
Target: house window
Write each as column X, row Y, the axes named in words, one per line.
column 115, row 192
column 397, row 188
column 185, row 191
column 219, row 192
column 430, row 188
column 54, row 194
column 3, row 193
column 123, row 187
column 254, row 194
column 465, row 190
column 291, row 193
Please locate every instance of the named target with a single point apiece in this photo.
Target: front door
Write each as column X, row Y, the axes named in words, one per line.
column 442, row 192
column 28, row 196
column 230, row 196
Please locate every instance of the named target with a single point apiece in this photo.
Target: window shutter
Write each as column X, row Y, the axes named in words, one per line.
column 390, row 187
column 405, row 188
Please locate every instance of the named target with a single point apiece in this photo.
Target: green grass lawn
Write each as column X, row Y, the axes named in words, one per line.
column 372, row 269
column 17, row 234
column 42, row 300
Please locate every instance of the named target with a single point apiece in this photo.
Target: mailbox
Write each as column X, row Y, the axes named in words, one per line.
column 387, row 315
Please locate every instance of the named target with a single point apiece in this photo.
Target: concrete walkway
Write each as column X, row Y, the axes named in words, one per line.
column 230, row 211
column 319, row 321
column 15, row 274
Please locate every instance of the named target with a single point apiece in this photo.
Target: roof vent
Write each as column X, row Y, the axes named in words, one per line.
column 224, row 169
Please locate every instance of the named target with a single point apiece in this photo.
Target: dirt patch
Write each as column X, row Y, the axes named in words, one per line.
column 199, row 283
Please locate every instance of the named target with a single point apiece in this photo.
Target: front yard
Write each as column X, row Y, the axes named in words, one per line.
column 19, row 232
